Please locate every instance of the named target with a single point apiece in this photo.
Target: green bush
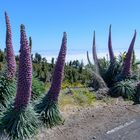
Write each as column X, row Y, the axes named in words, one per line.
column 67, row 84
column 111, row 73
column 125, row 88
column 66, row 99
column 80, row 97
column 7, row 91
column 83, row 97
column 38, row 88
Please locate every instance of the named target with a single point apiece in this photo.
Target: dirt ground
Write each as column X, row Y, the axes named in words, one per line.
column 88, row 123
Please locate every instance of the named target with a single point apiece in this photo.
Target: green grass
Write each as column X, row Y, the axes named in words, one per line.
column 78, row 97
column 67, row 84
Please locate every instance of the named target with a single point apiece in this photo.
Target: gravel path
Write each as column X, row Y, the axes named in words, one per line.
column 93, row 122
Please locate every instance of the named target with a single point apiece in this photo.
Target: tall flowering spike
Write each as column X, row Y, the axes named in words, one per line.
column 48, row 107
column 20, row 122
column 111, row 54
column 127, row 64
column 24, row 74
column 10, row 57
column 30, row 43
column 58, row 71
column 88, row 59
column 95, row 58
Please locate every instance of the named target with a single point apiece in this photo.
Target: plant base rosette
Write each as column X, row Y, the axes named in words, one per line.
column 125, row 88
column 19, row 125
column 49, row 112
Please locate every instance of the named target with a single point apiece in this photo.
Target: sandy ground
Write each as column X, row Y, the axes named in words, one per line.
column 93, row 122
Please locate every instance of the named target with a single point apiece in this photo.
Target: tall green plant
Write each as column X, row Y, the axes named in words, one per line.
column 89, row 62
column 127, row 66
column 7, row 78
column 19, row 121
column 95, row 58
column 111, row 53
column 48, row 107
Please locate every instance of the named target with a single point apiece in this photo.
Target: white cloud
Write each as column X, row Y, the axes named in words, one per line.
column 82, row 56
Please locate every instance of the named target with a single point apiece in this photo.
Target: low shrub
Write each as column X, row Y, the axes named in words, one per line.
column 66, row 99
column 83, row 97
column 80, row 97
column 38, row 88
column 7, row 91
column 125, row 88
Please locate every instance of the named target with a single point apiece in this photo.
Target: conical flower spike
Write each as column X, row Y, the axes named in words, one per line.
column 10, row 57
column 48, row 107
column 111, row 54
column 19, row 121
column 24, row 74
column 95, row 58
column 58, row 71
column 127, row 64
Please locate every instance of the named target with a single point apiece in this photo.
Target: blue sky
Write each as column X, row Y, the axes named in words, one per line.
column 46, row 20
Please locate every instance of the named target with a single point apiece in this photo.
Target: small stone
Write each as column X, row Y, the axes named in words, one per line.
column 94, row 138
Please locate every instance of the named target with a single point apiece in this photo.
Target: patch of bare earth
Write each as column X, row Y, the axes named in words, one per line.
column 90, row 123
